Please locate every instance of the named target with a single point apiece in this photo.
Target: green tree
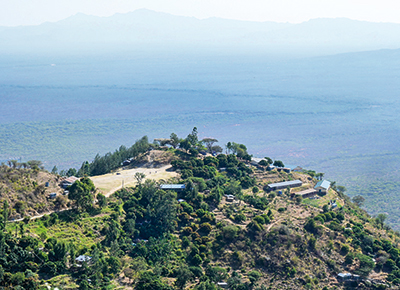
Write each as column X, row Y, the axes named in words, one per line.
column 192, row 137
column 174, row 140
column 216, row 274
column 5, row 213
column 114, row 264
column 54, row 170
column 185, row 144
column 183, row 275
column 150, row 281
column 278, row 163
column 161, row 208
column 82, row 193
column 139, row 176
column 35, row 164
column 380, row 219
column 209, row 142
column 341, row 189
column 269, row 160
column 102, row 200
column 216, row 194
column 254, row 276
column 358, row 200
column 366, row 265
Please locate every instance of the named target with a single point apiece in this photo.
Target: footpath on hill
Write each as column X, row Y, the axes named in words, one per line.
column 111, row 182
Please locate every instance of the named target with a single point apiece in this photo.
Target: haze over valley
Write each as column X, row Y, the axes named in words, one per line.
column 323, row 94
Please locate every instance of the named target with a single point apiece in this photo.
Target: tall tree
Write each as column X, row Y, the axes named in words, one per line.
column 139, row 176
column 82, row 192
column 185, row 144
column 380, row 219
column 161, row 208
column 54, row 170
column 192, row 137
column 174, row 140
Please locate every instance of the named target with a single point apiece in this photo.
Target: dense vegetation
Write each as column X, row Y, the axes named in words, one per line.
column 147, row 238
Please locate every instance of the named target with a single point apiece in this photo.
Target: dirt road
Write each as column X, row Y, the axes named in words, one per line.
column 111, row 182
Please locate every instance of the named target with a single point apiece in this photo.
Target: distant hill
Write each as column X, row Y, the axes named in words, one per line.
column 145, row 28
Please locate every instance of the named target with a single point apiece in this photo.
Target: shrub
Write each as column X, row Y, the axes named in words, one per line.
column 312, row 242
column 259, row 219
column 196, row 260
column 366, row 264
column 254, row 276
column 254, row 226
column 230, row 232
column 187, row 207
column 239, row 218
column 205, row 228
column 186, row 231
column 345, row 249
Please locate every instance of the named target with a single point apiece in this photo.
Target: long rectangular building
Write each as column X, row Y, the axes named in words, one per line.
column 176, row 187
column 285, row 184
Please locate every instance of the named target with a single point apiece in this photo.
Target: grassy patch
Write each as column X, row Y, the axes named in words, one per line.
column 84, row 232
column 331, row 195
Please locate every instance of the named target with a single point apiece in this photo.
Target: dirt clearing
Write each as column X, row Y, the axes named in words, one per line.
column 111, row 182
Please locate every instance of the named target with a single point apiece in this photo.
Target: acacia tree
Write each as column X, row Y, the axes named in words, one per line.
column 358, row 200
column 139, row 176
column 209, row 143
column 279, row 163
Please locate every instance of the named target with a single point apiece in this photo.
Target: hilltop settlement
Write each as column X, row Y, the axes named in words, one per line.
column 193, row 215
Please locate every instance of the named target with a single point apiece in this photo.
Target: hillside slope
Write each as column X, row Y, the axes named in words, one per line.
column 27, row 190
column 225, row 228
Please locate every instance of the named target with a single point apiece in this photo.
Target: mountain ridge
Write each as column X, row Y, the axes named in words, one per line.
column 155, row 29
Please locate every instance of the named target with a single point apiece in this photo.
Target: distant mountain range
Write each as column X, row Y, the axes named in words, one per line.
column 148, row 29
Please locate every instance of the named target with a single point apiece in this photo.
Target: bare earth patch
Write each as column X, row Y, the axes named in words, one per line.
column 111, row 182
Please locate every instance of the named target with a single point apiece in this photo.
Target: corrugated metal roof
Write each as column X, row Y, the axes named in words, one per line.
column 305, row 192
column 83, row 258
column 285, row 183
column 324, row 184
column 172, row 186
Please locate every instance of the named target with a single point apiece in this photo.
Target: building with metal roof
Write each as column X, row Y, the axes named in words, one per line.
column 306, row 193
column 172, row 186
column 285, row 184
column 68, row 181
column 322, row 186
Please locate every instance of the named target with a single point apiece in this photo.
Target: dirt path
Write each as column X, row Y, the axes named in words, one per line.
column 38, row 216
column 111, row 182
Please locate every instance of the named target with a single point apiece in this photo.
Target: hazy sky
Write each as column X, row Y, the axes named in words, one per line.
column 30, row 12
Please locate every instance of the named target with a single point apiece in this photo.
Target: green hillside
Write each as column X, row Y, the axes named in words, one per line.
column 199, row 237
